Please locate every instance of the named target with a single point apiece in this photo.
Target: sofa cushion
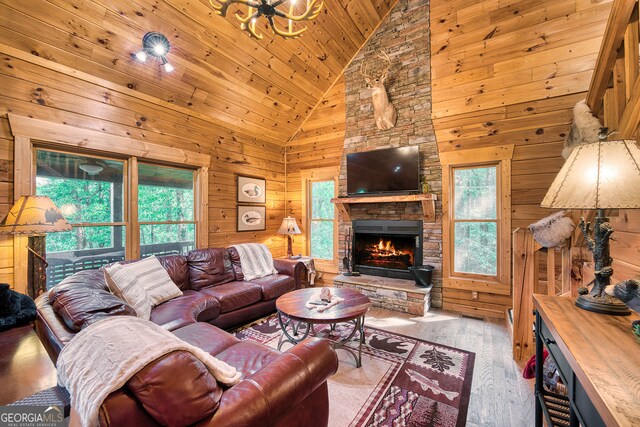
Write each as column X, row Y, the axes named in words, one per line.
column 234, row 256
column 209, row 267
column 209, row 338
column 275, row 285
column 124, row 286
column 176, row 389
column 184, row 310
column 83, row 298
column 177, row 268
column 235, row 295
column 248, row 356
column 147, row 273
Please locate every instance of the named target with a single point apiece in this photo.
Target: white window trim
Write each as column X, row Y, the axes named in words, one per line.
column 30, row 133
column 501, row 156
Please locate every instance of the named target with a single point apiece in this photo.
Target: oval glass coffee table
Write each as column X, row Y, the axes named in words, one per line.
column 297, row 321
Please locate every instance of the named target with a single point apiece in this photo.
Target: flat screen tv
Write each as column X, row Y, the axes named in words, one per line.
column 392, row 170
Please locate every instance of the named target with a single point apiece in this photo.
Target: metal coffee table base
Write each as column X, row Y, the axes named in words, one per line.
column 297, row 331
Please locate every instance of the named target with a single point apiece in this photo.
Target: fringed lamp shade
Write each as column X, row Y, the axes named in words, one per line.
column 289, row 226
column 34, row 215
column 600, row 175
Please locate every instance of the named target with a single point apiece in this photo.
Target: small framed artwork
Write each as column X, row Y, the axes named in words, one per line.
column 251, row 189
column 252, row 218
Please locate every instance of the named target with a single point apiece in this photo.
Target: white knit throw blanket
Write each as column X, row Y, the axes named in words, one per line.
column 256, row 260
column 103, row 357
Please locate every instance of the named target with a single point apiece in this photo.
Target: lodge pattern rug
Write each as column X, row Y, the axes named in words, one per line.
column 403, row 381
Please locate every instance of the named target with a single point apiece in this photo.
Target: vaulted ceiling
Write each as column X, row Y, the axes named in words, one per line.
column 267, row 87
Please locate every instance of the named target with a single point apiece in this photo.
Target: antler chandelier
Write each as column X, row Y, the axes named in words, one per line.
column 269, row 9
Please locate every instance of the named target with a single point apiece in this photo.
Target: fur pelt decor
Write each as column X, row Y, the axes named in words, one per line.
column 553, row 231
column 15, row 308
column 584, row 129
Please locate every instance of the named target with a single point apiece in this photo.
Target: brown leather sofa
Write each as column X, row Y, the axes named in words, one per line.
column 279, row 389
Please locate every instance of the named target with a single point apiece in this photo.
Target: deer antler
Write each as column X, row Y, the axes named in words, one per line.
column 312, row 12
column 268, row 9
column 221, row 6
column 385, row 57
column 362, row 71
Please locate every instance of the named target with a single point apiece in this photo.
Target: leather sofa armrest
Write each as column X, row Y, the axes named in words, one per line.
column 293, row 268
column 266, row 396
column 189, row 308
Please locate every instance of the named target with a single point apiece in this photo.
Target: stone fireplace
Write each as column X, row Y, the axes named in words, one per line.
column 404, row 36
column 386, row 248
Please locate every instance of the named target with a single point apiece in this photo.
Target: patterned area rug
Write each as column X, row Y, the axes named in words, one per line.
column 403, row 381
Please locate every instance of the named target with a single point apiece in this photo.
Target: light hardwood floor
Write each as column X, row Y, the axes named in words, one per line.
column 499, row 395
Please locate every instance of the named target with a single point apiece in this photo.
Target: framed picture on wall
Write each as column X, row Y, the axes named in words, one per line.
column 252, row 218
column 251, row 189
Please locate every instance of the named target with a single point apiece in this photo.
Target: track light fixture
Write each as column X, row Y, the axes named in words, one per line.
column 156, row 45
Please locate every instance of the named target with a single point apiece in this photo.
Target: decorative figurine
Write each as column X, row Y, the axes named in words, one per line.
column 325, row 295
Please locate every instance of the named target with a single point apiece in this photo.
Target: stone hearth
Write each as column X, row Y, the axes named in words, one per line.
column 393, row 294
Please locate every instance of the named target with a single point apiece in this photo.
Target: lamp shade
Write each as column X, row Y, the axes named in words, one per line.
column 289, row 226
column 599, row 175
column 34, row 215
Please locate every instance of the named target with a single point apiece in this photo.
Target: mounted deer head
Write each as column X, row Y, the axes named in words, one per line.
column 383, row 110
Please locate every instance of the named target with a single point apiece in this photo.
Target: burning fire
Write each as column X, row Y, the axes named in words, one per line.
column 385, row 249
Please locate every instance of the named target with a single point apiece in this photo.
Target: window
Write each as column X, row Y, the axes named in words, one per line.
column 165, row 210
column 321, row 219
column 101, row 172
column 475, row 220
column 92, row 195
column 476, row 206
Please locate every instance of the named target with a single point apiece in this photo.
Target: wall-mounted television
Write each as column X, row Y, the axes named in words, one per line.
column 392, row 170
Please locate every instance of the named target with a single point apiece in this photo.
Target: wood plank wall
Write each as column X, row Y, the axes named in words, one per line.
column 319, row 143
column 509, row 72
column 34, row 87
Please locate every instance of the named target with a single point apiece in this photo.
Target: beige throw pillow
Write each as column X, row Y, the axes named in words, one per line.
column 125, row 287
column 150, row 277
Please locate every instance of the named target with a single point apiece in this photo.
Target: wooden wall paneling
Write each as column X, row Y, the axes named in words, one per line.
column 510, row 73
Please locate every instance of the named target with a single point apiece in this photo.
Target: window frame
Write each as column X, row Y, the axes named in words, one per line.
column 30, row 134
column 138, row 223
column 307, row 178
column 37, row 147
column 454, row 221
column 500, row 156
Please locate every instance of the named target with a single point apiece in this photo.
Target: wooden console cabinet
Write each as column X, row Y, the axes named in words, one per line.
column 598, row 359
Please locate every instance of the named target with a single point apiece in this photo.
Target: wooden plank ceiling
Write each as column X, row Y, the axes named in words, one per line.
column 265, row 89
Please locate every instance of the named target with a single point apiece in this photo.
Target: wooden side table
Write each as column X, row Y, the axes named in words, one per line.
column 598, row 360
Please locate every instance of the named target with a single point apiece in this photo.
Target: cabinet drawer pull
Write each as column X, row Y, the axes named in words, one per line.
column 548, row 341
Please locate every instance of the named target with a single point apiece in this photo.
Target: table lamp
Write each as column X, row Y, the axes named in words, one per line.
column 289, row 227
column 35, row 216
column 599, row 175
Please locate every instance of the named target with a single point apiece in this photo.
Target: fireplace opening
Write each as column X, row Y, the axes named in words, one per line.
column 387, row 247
column 385, row 251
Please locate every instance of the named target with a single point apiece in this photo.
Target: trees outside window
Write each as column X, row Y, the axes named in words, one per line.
column 321, row 219
column 476, row 232
column 165, row 209
column 97, row 202
column 475, row 220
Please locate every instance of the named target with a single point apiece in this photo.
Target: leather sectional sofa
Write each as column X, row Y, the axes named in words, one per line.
column 279, row 389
